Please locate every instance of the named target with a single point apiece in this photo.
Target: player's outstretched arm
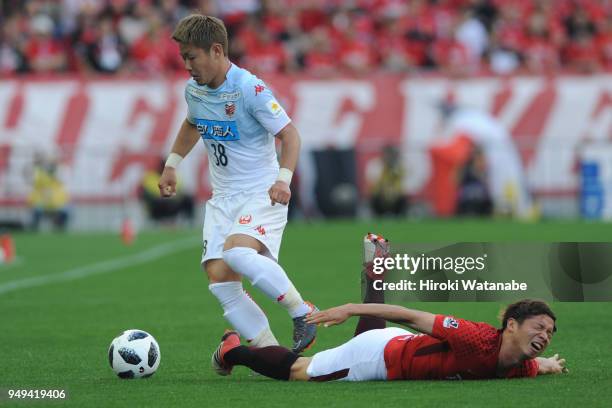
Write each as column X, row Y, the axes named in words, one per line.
column 290, row 150
column 551, row 365
column 416, row 319
column 186, row 138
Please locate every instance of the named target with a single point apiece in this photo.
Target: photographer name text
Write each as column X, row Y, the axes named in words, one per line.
column 429, row 285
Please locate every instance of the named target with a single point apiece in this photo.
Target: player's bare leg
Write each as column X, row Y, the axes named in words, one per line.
column 298, row 369
column 218, row 272
column 373, row 246
column 243, row 254
column 238, row 308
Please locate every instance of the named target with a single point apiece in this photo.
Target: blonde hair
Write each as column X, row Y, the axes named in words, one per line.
column 201, row 31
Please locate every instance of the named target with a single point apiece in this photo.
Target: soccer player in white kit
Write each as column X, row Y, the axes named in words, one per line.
column 238, row 118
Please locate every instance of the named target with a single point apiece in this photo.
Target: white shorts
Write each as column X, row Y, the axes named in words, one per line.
column 243, row 213
column 360, row 359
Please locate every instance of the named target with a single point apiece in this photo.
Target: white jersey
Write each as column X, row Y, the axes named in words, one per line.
column 237, row 122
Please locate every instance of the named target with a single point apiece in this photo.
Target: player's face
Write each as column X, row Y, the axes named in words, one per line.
column 203, row 66
column 534, row 335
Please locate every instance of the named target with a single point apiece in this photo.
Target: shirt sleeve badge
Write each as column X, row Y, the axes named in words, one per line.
column 274, row 107
column 449, row 322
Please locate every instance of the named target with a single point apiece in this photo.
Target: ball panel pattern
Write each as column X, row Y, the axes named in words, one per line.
column 137, row 335
column 129, row 355
column 152, row 354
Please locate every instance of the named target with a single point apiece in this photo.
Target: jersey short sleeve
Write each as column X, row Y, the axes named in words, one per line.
column 190, row 117
column 264, row 107
column 464, row 337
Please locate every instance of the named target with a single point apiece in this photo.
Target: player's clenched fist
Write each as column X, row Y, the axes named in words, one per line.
column 280, row 193
column 167, row 182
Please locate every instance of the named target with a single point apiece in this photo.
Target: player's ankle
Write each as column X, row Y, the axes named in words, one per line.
column 264, row 339
column 294, row 304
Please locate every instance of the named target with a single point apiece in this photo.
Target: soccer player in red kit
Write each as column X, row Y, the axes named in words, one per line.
column 446, row 347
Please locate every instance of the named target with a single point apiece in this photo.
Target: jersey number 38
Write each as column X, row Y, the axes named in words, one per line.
column 219, row 153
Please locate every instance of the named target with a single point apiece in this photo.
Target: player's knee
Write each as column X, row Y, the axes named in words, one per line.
column 218, row 271
column 237, row 257
column 299, row 369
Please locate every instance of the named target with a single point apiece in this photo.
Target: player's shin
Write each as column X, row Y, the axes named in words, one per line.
column 268, row 276
column 243, row 313
column 273, row 361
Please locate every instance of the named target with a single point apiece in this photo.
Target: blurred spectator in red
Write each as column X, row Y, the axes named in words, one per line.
column 155, row 52
column 582, row 55
column 263, row 54
column 313, row 15
column 273, row 18
column 421, row 21
column 509, row 29
column 320, row 58
column 43, row 52
column 451, row 56
column 396, row 52
column 355, row 34
column 541, row 54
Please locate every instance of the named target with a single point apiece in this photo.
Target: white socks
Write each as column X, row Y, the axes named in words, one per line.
column 243, row 313
column 292, row 301
column 268, row 276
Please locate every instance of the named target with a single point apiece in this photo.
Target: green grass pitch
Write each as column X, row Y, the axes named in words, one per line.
column 56, row 328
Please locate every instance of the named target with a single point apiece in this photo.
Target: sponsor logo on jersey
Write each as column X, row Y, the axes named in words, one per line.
column 260, row 230
column 221, row 130
column 192, row 90
column 231, row 96
column 244, row 219
column 259, row 89
column 274, row 108
column 230, row 109
column 449, row 322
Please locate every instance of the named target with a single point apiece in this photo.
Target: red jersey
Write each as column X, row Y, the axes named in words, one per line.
column 457, row 349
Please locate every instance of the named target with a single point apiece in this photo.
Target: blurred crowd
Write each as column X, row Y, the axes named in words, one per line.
column 319, row 37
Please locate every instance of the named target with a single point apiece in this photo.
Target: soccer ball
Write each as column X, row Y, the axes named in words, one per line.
column 134, row 354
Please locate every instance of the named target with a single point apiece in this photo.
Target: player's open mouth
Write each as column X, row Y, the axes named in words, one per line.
column 537, row 346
